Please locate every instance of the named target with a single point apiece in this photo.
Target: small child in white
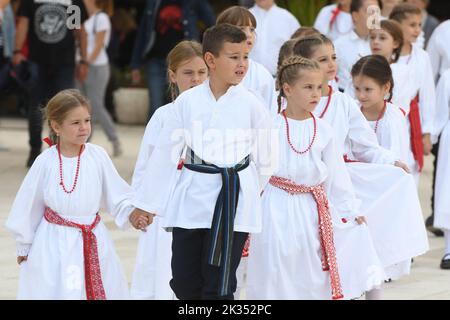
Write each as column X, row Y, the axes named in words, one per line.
column 63, row 247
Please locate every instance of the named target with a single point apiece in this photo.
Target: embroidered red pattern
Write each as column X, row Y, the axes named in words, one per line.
column 92, row 273
column 329, row 261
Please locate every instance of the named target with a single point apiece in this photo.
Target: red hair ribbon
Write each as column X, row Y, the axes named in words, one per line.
column 48, row 141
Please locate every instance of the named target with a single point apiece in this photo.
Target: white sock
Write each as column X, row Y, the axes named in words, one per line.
column 447, row 240
column 375, row 294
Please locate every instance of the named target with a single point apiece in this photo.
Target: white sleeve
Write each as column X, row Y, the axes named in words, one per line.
column 102, row 23
column 116, row 192
column 442, row 103
column 294, row 25
column 153, row 193
column 343, row 74
column 434, row 54
column 28, row 206
column 338, row 184
column 269, row 90
column 364, row 142
column 322, row 24
column 152, row 131
column 265, row 149
column 427, row 96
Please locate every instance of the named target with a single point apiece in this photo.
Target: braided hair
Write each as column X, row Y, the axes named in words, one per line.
column 288, row 72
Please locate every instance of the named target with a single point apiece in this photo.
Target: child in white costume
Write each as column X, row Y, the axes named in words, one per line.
column 152, row 272
column 376, row 181
column 372, row 78
column 309, row 236
column 257, row 79
column 335, row 20
column 442, row 203
column 63, row 248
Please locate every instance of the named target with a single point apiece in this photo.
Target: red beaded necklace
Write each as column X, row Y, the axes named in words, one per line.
column 61, row 180
column 289, row 137
column 380, row 116
column 330, row 93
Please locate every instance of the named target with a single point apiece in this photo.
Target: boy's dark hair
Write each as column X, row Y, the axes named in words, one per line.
column 358, row 4
column 305, row 47
column 377, row 68
column 216, row 36
column 401, row 12
column 237, row 16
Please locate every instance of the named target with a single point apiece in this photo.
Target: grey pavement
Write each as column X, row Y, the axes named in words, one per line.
column 425, row 282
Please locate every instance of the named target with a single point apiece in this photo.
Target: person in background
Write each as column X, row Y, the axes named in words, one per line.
column 274, row 26
column 163, row 25
column 52, row 49
column 429, row 22
column 335, row 20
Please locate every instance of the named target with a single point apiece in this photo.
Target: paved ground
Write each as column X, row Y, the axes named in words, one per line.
column 426, row 281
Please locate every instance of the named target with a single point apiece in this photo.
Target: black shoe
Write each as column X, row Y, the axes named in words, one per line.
column 429, row 224
column 445, row 263
column 34, row 153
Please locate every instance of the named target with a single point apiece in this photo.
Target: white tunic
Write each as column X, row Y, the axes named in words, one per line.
column 349, row 49
column 274, row 27
column 260, row 81
column 442, row 200
column 341, row 26
column 420, row 81
column 152, row 271
column 284, row 260
column 438, row 49
column 377, row 185
column 222, row 132
column 55, row 265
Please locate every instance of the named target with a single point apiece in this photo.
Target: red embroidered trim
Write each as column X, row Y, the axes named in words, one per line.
column 329, row 261
column 92, row 273
column 246, row 247
column 403, row 111
column 330, row 93
column 416, row 132
column 180, row 164
column 348, row 160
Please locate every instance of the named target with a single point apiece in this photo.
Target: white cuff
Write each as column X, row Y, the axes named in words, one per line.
column 22, row 249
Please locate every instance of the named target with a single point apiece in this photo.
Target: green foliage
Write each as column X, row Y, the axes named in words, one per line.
column 304, row 10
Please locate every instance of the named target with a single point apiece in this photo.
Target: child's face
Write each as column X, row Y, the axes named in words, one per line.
column 368, row 92
column 189, row 74
column 326, row 57
column 382, row 43
column 75, row 128
column 251, row 35
column 411, row 27
column 265, row 4
column 231, row 64
column 306, row 91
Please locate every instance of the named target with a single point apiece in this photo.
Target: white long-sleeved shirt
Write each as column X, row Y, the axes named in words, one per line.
column 353, row 134
column 349, row 49
column 342, row 25
column 274, row 27
column 439, row 50
column 419, row 81
column 99, row 186
column 442, row 102
column 259, row 80
column 392, row 134
column 221, row 132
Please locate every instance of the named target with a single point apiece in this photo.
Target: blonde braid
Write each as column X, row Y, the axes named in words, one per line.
column 288, row 73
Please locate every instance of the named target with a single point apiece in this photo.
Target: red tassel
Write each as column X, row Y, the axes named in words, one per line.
column 334, row 16
column 180, row 164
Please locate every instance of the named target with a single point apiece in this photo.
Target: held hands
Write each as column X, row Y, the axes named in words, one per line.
column 17, row 58
column 136, row 77
column 402, row 165
column 427, row 145
column 140, row 219
column 21, row 259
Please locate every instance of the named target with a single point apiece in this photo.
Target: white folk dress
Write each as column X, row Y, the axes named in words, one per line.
column 285, row 259
column 259, row 80
column 441, row 191
column 153, row 270
column 377, row 183
column 55, row 266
